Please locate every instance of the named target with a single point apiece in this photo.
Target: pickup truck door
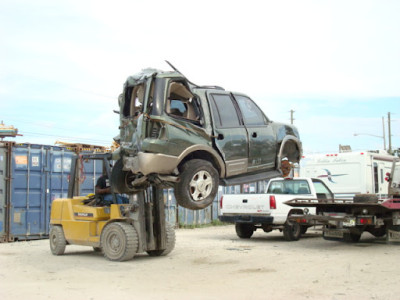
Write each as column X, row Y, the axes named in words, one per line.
column 262, row 140
column 230, row 135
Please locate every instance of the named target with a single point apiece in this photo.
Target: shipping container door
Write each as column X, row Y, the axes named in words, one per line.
column 28, row 194
column 4, row 190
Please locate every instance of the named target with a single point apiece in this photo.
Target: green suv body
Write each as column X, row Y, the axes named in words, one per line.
column 176, row 134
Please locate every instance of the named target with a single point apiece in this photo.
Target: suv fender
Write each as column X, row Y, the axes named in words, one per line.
column 291, row 148
column 217, row 160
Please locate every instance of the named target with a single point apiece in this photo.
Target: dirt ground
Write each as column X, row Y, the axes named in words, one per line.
column 208, row 263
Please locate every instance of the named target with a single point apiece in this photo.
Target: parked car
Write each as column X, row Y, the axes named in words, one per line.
column 193, row 138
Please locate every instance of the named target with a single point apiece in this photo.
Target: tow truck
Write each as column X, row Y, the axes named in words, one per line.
column 347, row 219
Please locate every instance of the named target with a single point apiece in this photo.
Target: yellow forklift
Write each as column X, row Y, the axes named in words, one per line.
column 120, row 231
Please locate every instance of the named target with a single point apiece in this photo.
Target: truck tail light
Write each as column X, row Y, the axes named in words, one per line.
column 220, row 202
column 387, row 178
column 272, row 202
column 365, row 221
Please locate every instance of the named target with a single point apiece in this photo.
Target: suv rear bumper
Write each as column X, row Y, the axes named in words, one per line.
column 147, row 163
column 247, row 219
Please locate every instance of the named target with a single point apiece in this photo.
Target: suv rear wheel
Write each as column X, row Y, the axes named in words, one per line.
column 198, row 184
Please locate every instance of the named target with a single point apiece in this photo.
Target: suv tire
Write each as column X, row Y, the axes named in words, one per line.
column 120, row 180
column 198, row 184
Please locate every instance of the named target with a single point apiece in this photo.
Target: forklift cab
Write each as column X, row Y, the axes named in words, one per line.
column 75, row 176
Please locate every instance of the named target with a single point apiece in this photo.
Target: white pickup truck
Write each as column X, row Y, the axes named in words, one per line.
column 267, row 211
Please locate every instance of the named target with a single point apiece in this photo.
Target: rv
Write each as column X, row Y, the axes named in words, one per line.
column 350, row 173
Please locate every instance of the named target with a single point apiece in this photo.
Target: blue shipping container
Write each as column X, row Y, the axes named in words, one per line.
column 31, row 177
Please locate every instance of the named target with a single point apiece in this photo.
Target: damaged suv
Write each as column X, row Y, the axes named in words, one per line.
column 174, row 133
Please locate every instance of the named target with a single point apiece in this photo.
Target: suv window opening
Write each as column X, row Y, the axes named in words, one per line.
column 179, row 102
column 127, row 101
column 134, row 99
column 252, row 114
column 225, row 115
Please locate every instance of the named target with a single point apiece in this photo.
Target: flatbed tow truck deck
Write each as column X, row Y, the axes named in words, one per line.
column 344, row 219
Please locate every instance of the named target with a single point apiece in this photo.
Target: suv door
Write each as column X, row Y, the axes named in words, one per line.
column 230, row 133
column 262, row 140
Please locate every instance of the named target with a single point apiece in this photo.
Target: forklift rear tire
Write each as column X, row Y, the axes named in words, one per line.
column 170, row 240
column 291, row 231
column 57, row 240
column 119, row 241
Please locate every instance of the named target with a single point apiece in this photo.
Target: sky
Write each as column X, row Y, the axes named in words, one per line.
column 335, row 63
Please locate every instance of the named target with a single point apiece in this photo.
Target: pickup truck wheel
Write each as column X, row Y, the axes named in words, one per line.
column 303, row 229
column 119, row 241
column 57, row 240
column 198, row 184
column 170, row 240
column 291, row 231
column 244, row 231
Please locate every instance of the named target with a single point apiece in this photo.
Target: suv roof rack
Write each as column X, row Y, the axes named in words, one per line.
column 211, row 87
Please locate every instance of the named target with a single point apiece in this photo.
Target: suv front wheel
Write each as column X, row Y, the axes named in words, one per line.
column 198, row 184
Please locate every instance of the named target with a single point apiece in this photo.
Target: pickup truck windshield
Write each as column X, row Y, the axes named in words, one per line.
column 293, row 187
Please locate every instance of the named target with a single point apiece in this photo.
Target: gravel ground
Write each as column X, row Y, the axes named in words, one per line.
column 208, row 263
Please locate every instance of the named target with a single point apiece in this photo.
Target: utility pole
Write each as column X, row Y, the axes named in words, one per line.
column 384, row 134
column 291, row 116
column 390, row 134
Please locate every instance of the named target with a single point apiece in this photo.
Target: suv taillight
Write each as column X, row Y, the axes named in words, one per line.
column 220, row 202
column 272, row 202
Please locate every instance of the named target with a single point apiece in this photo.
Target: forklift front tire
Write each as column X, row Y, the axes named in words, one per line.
column 57, row 240
column 119, row 241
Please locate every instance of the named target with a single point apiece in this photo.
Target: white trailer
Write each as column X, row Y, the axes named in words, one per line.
column 350, row 173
